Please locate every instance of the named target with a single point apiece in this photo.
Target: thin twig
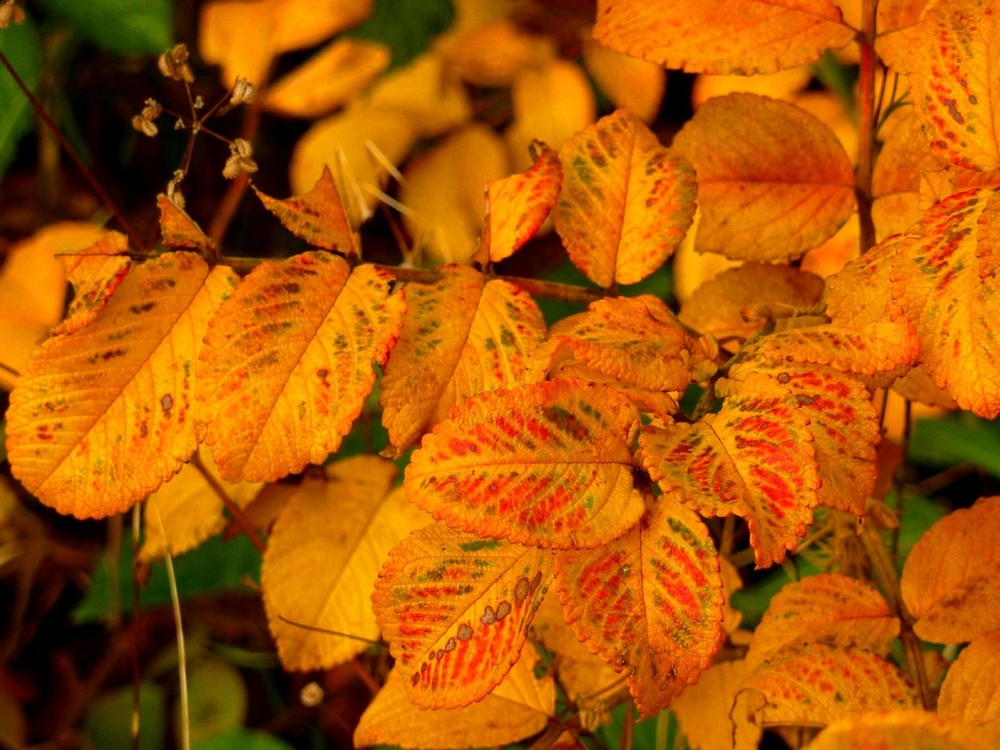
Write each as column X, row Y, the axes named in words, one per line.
column 136, row 610
column 234, row 510
column 327, row 631
column 866, row 153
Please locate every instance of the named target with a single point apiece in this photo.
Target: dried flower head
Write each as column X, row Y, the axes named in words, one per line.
column 143, row 122
column 174, row 64
column 10, row 12
column 240, row 159
column 244, row 92
column 174, row 189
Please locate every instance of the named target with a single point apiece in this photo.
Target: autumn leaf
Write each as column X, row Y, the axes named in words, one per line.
column 519, row 707
column 490, row 52
column 949, row 579
column 726, row 36
column 288, row 362
column 626, row 201
column 545, row 464
column 95, row 273
column 517, row 205
column 318, row 217
column 713, row 713
column 461, row 336
column 455, row 609
column 189, row 511
column 180, row 230
column 901, row 730
column 773, row 181
column 754, row 458
column 103, row 416
column 827, row 608
column 630, row 83
column 971, row 690
column 326, row 547
column 820, row 683
column 649, row 602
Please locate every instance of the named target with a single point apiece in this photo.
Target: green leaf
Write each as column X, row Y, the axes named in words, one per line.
column 127, row 27
column 241, row 739
column 955, row 439
column 107, row 721
column 21, row 46
column 425, row 19
column 217, row 699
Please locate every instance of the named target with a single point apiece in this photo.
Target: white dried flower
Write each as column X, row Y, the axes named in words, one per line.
column 174, row 64
column 244, row 92
column 240, row 159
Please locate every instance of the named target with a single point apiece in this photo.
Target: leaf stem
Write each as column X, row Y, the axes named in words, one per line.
column 867, row 125
column 234, row 510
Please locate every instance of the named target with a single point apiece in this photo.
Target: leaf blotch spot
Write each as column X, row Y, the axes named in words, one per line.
column 503, row 609
column 489, row 616
column 167, row 402
column 464, row 632
column 521, row 590
column 451, row 644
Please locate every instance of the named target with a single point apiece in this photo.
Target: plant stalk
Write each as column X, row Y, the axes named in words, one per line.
column 867, row 126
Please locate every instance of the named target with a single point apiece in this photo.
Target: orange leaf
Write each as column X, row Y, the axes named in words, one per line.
column 943, row 277
column 724, row 36
column 519, row 707
column 325, row 548
column 773, row 181
column 636, row 340
column 819, row 683
column 971, row 691
column 546, row 464
column 949, row 579
column 713, row 713
column 630, row 83
column 754, row 458
column 179, row 229
column 455, row 609
column 626, row 201
column 318, row 217
column 103, row 416
column 650, row 602
column 459, row 338
column 517, row 205
column 832, row 609
column 190, row 511
column 95, row 273
column 902, row 730
column 288, row 359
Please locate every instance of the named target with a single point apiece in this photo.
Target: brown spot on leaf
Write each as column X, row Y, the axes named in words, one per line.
column 167, row 402
column 489, row 616
column 464, row 632
column 503, row 609
column 521, row 590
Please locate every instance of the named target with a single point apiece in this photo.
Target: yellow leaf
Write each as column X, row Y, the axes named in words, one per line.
column 517, row 205
column 190, row 510
column 902, row 730
column 303, row 23
column 649, row 602
column 432, row 99
column 459, row 338
column 103, row 416
column 827, row 608
column 546, row 464
column 713, row 713
column 783, row 85
column 626, row 201
column 326, row 547
column 971, row 691
column 949, row 579
column 773, row 181
column 444, row 192
column 329, row 79
column 819, row 683
column 287, row 362
column 180, row 230
column 692, row 269
column 632, row 84
column 95, row 273
column 455, row 609
column 725, row 36
column 510, row 713
column 494, row 54
column 239, row 36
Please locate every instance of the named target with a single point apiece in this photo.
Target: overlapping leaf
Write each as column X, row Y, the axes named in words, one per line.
column 649, row 602
column 189, row 511
column 460, row 337
column 288, row 362
column 546, row 464
column 773, row 181
column 325, row 549
column 949, row 580
column 901, row 730
column 180, row 230
column 318, row 217
column 726, row 36
column 713, row 713
column 828, row 608
column 455, row 609
column 754, row 458
column 626, row 201
column 95, row 273
column 103, row 416
column 971, row 690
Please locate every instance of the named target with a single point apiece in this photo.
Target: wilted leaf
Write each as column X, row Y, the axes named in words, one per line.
column 102, row 417
column 819, row 683
column 455, row 609
column 459, row 338
column 949, row 579
column 630, row 83
column 546, row 464
column 325, row 549
column 180, row 230
column 518, row 708
column 773, row 181
column 901, row 730
column 318, row 217
column 826, row 608
column 626, row 201
column 649, row 602
column 713, row 713
column 725, row 36
column 517, row 205
column 288, row 360
column 971, row 691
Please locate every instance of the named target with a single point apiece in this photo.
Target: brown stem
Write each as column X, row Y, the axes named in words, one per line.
column 87, row 174
column 234, row 510
column 866, row 135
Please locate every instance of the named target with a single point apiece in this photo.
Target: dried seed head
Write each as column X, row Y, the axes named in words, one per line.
column 11, row 12
column 152, row 110
column 240, row 159
column 144, row 126
column 174, row 64
column 244, row 92
column 199, row 102
column 174, row 189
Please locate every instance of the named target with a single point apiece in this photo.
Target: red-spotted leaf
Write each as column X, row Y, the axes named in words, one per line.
column 754, row 458
column 650, row 602
column 546, row 464
column 461, row 336
column 288, row 360
column 903, row 730
column 455, row 609
column 95, row 274
column 626, row 201
column 180, row 230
